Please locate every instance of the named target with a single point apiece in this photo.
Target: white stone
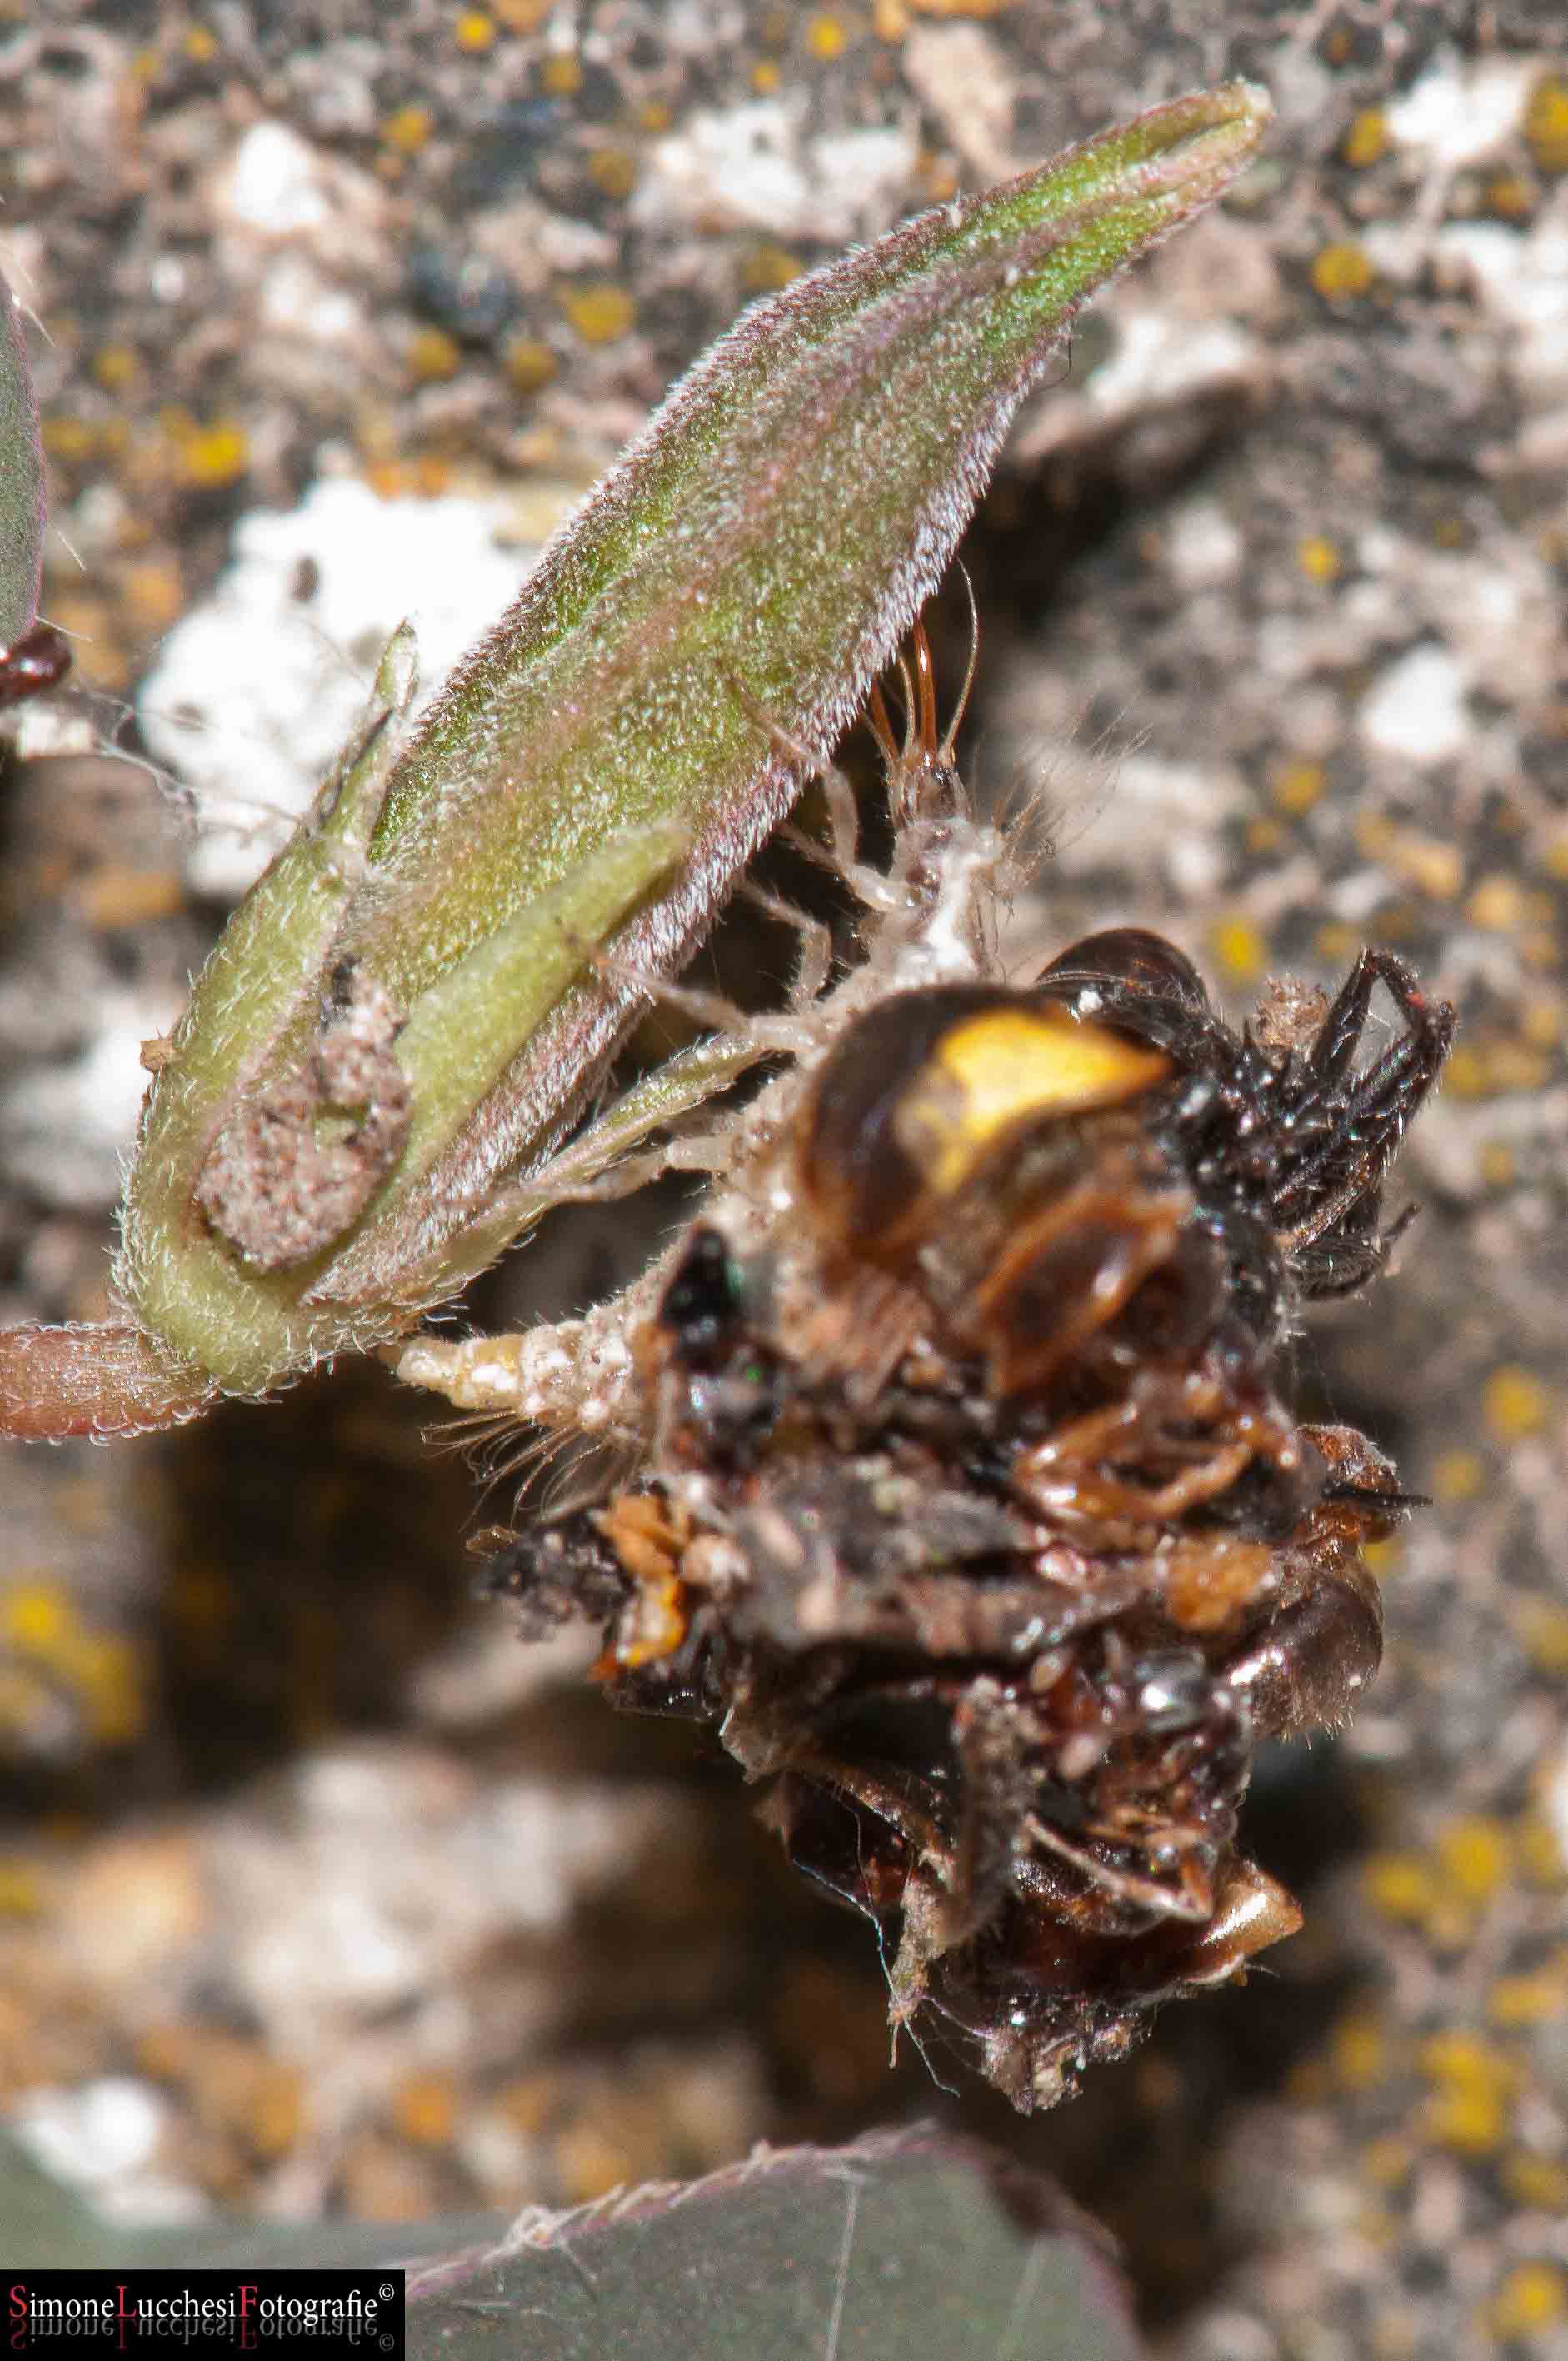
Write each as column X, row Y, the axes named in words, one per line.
column 97, row 2133
column 1416, row 707
column 1462, row 108
column 257, row 691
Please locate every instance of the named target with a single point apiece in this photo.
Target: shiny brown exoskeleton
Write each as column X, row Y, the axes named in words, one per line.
column 39, row 660
column 968, row 1508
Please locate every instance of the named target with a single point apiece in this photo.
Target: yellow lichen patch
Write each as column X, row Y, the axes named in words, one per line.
column 1402, row 1886
column 1543, row 1625
column 1537, row 2182
column 1359, row 2053
column 407, row 129
column 1496, row 1164
column 1546, row 123
column 1534, row 2296
column 1318, row 558
column 1476, row 1856
column 827, row 36
column 473, row 32
column 529, row 363
column 1540, row 1851
column 115, row 367
column 21, row 1889
column 424, row 2110
column 69, row 439
column 114, row 897
column 599, row 314
column 613, row 171
column 521, row 15
column 199, row 44
column 654, row 116
column 1343, row 269
column 1366, row 139
column 1475, row 2083
column 1434, row 865
column 1386, row 2162
column 1515, row 1403
column 1496, row 904
column 768, row 267
column 433, row 355
column 1239, row 950
column 1516, row 2001
column 1459, row 1475
column 212, row 456
column 561, row 74
column 1298, row 787
column 1492, row 1067
column 1336, row 942
column 767, row 77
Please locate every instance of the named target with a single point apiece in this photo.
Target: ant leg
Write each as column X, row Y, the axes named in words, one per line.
column 816, row 966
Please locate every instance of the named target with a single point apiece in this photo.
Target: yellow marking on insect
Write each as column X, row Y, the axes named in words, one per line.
column 1007, row 1066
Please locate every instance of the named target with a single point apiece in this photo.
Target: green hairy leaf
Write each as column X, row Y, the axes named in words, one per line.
column 408, row 1013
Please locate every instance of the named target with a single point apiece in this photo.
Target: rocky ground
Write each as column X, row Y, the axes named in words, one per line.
column 316, row 1891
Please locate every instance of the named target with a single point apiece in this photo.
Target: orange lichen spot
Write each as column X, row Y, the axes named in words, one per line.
column 601, row 313
column 890, row 19
column 960, row 8
column 434, row 355
column 519, row 15
column 938, row 176
column 1401, row 1885
column 276, row 2114
column 1366, row 139
column 1475, row 2085
column 1533, row 2297
column 199, row 44
column 827, row 36
column 1515, row 1403
column 213, row 456
column 1510, row 196
column 154, row 594
column 1543, row 1625
column 115, row 366
column 1476, row 1856
column 1537, row 2182
column 1496, row 904
column 1342, row 270
column 1459, row 1475
column 408, row 128
column 69, row 439
column 1546, row 123
column 1318, row 558
column 767, row 77
column 115, row 896
column 654, row 116
column 473, row 32
column 613, row 171
column 561, row 74
column 529, row 363
column 590, row 2162
column 768, row 267
column 424, row 2110
column 1516, row 2001
column 1359, row 2053
column 1264, row 837
column 1239, row 950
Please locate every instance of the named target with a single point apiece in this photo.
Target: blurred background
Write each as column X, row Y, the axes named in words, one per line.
column 319, row 1894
